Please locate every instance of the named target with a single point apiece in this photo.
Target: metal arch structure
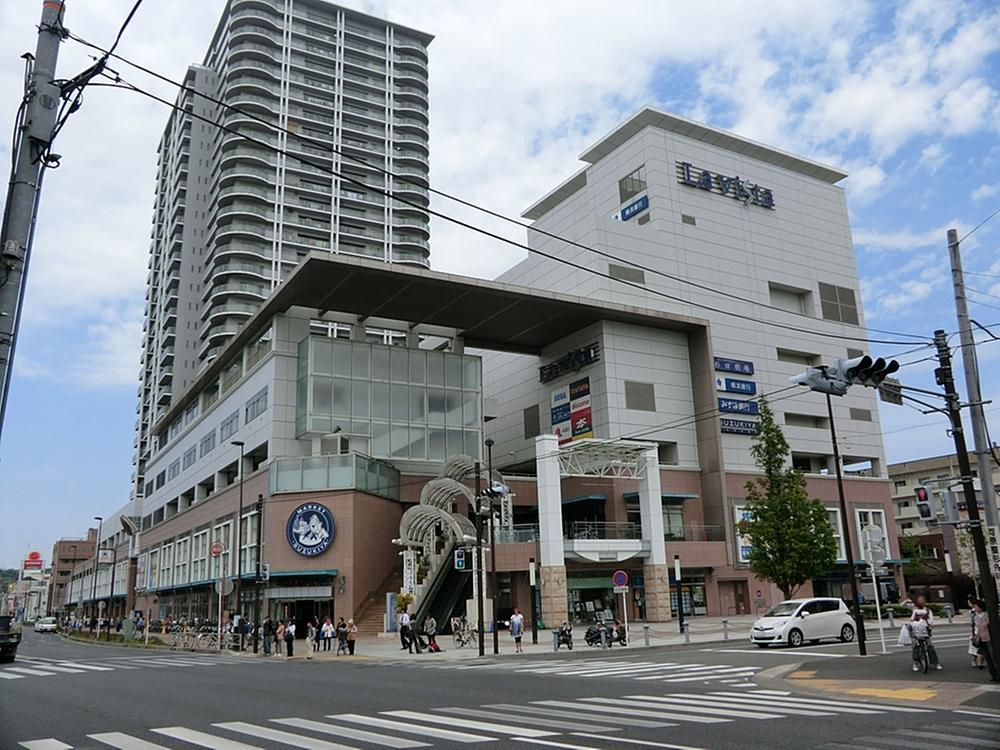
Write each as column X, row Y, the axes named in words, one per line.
column 443, row 492
column 457, row 467
column 421, row 519
column 618, row 459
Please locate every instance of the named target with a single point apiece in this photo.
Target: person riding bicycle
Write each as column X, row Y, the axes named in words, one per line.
column 921, row 626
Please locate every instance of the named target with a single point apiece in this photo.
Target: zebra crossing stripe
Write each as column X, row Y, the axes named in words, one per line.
column 614, row 671
column 741, row 672
column 602, row 708
column 351, row 733
column 847, row 704
column 203, row 739
column 794, row 703
column 629, row 720
column 399, row 726
column 689, row 708
column 682, row 669
column 648, row 743
column 940, row 737
column 87, row 667
column 550, row 743
column 529, row 720
column 562, row 667
column 125, row 741
column 49, row 744
column 481, row 726
column 5, row 676
column 277, row 735
column 715, row 701
column 26, row 670
column 68, row 670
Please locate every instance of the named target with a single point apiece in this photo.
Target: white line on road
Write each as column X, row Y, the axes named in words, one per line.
column 351, row 733
column 629, row 720
column 482, row 726
column 832, row 703
column 91, row 667
column 276, row 735
column 741, row 672
column 125, row 741
column 994, row 717
column 648, row 743
column 203, row 739
column 550, row 743
column 34, row 672
column 49, row 744
column 529, row 720
column 715, row 701
column 775, row 652
column 5, row 676
column 784, row 703
column 602, row 708
column 400, row 726
column 56, row 668
column 685, row 669
column 686, row 707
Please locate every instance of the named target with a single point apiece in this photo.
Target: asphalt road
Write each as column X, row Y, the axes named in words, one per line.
column 70, row 695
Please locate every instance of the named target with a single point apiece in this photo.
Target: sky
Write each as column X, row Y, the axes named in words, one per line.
column 903, row 96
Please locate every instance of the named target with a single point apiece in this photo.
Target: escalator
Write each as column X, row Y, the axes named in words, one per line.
column 446, row 596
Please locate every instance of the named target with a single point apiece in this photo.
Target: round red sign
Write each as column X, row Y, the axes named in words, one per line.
column 619, row 578
column 217, row 549
column 34, row 555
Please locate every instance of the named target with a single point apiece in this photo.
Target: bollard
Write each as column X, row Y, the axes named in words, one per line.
column 892, row 619
column 687, row 632
column 555, row 640
column 645, row 634
column 949, row 613
column 604, row 638
column 725, row 630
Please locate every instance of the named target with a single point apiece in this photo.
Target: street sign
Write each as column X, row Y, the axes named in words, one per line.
column 875, row 554
column 217, row 549
column 619, row 578
column 621, row 589
column 102, row 605
column 880, row 571
column 224, row 586
column 872, row 533
column 993, row 548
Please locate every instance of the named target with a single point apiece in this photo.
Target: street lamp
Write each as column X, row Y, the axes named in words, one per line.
column 490, row 495
column 239, row 538
column 97, row 553
column 72, row 564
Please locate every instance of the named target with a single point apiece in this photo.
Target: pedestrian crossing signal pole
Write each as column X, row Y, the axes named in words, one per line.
column 479, row 565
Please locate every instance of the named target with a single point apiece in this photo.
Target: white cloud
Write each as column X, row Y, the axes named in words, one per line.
column 933, row 156
column 111, row 350
column 28, row 367
column 905, row 239
column 985, row 191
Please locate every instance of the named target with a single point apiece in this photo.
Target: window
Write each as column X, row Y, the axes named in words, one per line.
column 685, row 219
column 838, row 303
column 644, row 219
column 249, row 530
column 220, row 565
column 229, row 426
column 899, row 484
column 199, row 556
column 190, row 456
column 190, row 413
column 865, row 517
column 182, row 549
column 673, row 523
column 853, row 353
column 532, row 427
column 640, row 396
column 804, row 420
column 861, row 415
column 797, row 358
column 256, row 406
column 833, row 516
column 907, row 525
column 207, row 444
column 167, row 565
column 626, row 273
column 174, row 469
column 161, row 479
column 632, row 184
column 788, row 298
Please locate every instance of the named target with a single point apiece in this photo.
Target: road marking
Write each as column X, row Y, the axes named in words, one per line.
column 611, row 671
column 846, row 704
column 648, row 743
column 775, row 652
column 685, row 707
column 712, row 676
column 25, row 670
column 529, row 720
column 482, row 726
column 550, row 743
column 602, row 708
column 49, row 744
column 351, row 733
column 5, row 676
column 940, row 737
column 630, row 720
column 125, row 742
column 203, row 739
column 63, row 669
column 771, row 692
column 90, row 667
column 985, row 715
column 276, row 735
column 692, row 668
column 700, row 699
column 562, row 667
column 399, row 726
column 906, row 694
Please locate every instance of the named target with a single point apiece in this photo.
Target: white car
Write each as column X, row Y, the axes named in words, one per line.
column 798, row 620
column 46, row 625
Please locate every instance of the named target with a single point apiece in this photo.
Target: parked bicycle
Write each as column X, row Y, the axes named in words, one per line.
column 461, row 633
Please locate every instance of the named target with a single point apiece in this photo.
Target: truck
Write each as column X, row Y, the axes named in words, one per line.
column 10, row 637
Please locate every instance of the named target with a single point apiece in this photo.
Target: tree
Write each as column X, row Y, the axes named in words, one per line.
column 909, row 549
column 791, row 538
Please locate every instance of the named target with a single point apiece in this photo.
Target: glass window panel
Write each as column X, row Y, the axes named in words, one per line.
column 380, row 362
column 341, row 471
column 322, row 359
column 400, row 403
column 320, row 424
column 456, row 442
column 453, row 371
column 435, row 368
column 418, row 442
column 436, row 444
column 453, row 407
column 380, row 439
column 418, row 366
column 289, row 476
column 342, row 354
column 398, row 356
column 418, row 411
column 472, row 443
column 313, row 472
column 471, row 367
column 321, row 393
column 380, row 400
column 471, row 408
column 361, row 391
column 342, row 396
column 302, row 364
column 362, row 367
column 400, row 440
column 435, row 406
column 361, row 428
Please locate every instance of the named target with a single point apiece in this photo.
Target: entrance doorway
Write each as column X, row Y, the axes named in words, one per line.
column 735, row 597
column 301, row 612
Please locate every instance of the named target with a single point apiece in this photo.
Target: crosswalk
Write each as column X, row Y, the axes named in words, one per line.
column 641, row 671
column 974, row 731
column 592, row 723
column 36, row 666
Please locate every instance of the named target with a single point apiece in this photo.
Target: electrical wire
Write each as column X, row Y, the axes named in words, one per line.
column 984, row 221
column 986, row 275
column 119, row 82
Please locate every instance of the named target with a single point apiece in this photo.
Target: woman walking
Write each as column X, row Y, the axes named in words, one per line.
column 327, row 633
column 982, row 639
column 341, row 637
column 279, row 638
column 352, row 636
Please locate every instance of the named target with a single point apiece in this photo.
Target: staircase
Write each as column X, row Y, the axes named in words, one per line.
column 372, row 610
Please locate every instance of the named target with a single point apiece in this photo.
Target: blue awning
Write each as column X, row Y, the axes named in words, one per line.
column 668, row 498
column 584, row 498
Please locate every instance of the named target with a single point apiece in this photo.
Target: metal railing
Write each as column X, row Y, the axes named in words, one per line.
column 521, row 532
column 694, row 533
column 602, row 530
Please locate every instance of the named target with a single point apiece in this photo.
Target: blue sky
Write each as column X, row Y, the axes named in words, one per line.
column 902, row 96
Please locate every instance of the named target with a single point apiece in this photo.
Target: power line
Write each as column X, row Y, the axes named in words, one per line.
column 984, row 221
column 119, row 82
column 980, row 273
column 985, row 294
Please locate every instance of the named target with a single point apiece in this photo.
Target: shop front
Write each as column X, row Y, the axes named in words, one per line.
column 591, row 596
column 692, row 593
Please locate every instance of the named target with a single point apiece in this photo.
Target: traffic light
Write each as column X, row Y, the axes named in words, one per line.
column 865, row 371
column 949, row 506
column 460, row 558
column 923, row 497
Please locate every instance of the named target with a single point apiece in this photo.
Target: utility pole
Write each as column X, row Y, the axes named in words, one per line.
column 976, row 415
column 480, row 578
column 493, row 548
column 34, row 134
column 859, row 624
column 945, row 377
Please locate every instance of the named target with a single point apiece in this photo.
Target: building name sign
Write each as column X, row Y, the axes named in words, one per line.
column 732, row 385
column 310, row 529
column 635, row 207
column 573, row 361
column 738, row 406
column 739, row 426
column 739, row 366
column 733, row 187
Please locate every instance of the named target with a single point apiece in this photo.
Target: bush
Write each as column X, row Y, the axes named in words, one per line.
column 85, row 637
column 898, row 610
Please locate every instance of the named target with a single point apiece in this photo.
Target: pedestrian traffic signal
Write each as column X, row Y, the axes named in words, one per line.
column 923, row 498
column 460, row 558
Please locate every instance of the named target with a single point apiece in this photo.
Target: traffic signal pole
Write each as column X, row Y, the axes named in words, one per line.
column 945, row 378
column 859, row 624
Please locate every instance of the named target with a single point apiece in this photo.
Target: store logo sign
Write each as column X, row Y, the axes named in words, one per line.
column 733, row 187
column 635, row 207
column 310, row 529
column 737, row 406
column 573, row 361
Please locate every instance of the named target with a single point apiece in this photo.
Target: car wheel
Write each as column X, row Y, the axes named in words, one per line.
column 795, row 638
column 846, row 634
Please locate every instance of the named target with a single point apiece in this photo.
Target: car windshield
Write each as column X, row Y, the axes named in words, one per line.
column 784, row 609
column 48, row 620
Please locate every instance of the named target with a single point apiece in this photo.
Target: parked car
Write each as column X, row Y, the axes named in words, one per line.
column 10, row 637
column 46, row 625
column 797, row 620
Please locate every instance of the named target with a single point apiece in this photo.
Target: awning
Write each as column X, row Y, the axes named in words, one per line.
column 668, row 498
column 584, row 498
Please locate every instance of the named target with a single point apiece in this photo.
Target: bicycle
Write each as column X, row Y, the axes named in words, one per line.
column 463, row 634
column 923, row 658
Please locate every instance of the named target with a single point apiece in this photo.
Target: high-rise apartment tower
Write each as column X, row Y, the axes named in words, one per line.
column 335, row 100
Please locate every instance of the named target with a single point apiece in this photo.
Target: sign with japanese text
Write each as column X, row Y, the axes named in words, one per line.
column 738, row 406
column 732, row 385
column 739, row 366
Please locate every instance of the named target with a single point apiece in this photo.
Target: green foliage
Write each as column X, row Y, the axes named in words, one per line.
column 403, row 601
column 791, row 538
column 909, row 549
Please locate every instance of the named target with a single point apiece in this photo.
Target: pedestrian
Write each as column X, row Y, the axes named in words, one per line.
column 310, row 639
column 977, row 658
column 517, row 630
column 982, row 640
column 341, row 637
column 921, row 625
column 352, row 636
column 328, row 630
column 290, row 638
column 404, row 631
column 279, row 637
column 268, row 633
column 430, row 628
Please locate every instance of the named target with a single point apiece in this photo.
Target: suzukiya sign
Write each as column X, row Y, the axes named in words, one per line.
column 310, row 529
column 732, row 187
